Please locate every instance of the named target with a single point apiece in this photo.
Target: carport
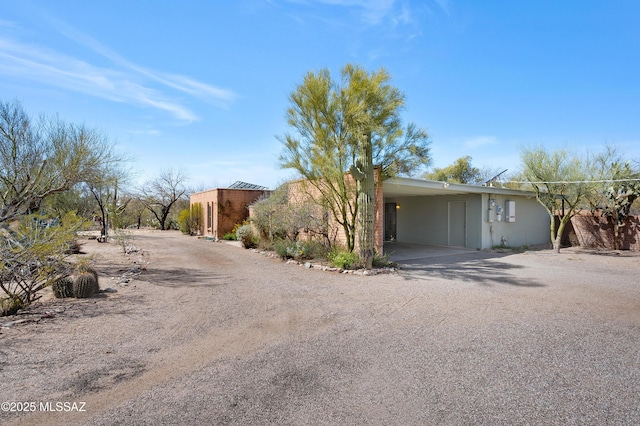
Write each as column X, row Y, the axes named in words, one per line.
column 434, row 216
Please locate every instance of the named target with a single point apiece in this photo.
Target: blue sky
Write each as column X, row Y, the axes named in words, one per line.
column 203, row 85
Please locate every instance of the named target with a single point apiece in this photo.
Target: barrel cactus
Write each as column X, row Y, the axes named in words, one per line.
column 85, row 285
column 82, row 268
column 62, row 287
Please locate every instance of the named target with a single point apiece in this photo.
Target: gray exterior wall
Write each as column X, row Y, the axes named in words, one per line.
column 427, row 220
column 531, row 226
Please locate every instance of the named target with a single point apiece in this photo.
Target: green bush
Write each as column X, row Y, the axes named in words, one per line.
column 245, row 235
column 299, row 250
column 266, row 244
column 315, row 250
column 280, row 246
column 33, row 255
column 229, row 236
column 382, row 261
column 184, row 221
column 341, row 258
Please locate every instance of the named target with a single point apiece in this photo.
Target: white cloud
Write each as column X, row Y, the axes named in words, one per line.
column 123, row 82
column 480, row 141
column 372, row 12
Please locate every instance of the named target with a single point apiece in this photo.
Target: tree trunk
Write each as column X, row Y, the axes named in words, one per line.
column 557, row 241
column 553, row 232
column 616, row 230
column 105, row 219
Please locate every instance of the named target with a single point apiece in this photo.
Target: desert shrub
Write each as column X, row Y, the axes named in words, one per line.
column 299, row 250
column 32, row 256
column 280, row 247
column 229, row 236
column 266, row 244
column 279, row 216
column 314, row 249
column 123, row 238
column 184, row 221
column 238, row 225
column 342, row 258
column 244, row 234
column 196, row 218
column 382, row 261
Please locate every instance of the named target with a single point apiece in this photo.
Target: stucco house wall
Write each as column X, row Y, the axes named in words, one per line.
column 531, row 225
column 223, row 208
column 302, row 189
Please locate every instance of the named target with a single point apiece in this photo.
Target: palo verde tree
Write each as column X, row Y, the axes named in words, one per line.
column 461, row 171
column 43, row 157
column 561, row 182
column 39, row 161
column 162, row 193
column 328, row 118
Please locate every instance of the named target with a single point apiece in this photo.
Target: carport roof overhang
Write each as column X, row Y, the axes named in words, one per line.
column 407, row 187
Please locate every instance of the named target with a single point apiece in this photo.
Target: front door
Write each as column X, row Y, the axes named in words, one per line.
column 458, row 223
column 390, row 221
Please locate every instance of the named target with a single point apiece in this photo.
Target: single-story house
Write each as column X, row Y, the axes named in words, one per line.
column 420, row 211
column 223, row 208
column 447, row 214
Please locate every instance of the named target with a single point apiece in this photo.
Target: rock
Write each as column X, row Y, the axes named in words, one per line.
column 308, row 265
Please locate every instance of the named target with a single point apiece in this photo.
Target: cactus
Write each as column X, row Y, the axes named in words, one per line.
column 83, row 267
column 62, row 287
column 363, row 173
column 85, row 285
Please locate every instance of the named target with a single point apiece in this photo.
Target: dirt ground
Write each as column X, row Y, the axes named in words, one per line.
column 208, row 333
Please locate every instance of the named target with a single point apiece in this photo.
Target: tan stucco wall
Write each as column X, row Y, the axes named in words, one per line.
column 226, row 206
column 300, row 189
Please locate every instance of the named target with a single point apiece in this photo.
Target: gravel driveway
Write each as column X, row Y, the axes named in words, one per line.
column 208, row 333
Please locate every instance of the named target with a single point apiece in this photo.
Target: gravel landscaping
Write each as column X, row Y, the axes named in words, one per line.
column 199, row 332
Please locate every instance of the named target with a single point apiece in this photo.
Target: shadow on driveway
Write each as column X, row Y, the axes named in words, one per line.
column 457, row 264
